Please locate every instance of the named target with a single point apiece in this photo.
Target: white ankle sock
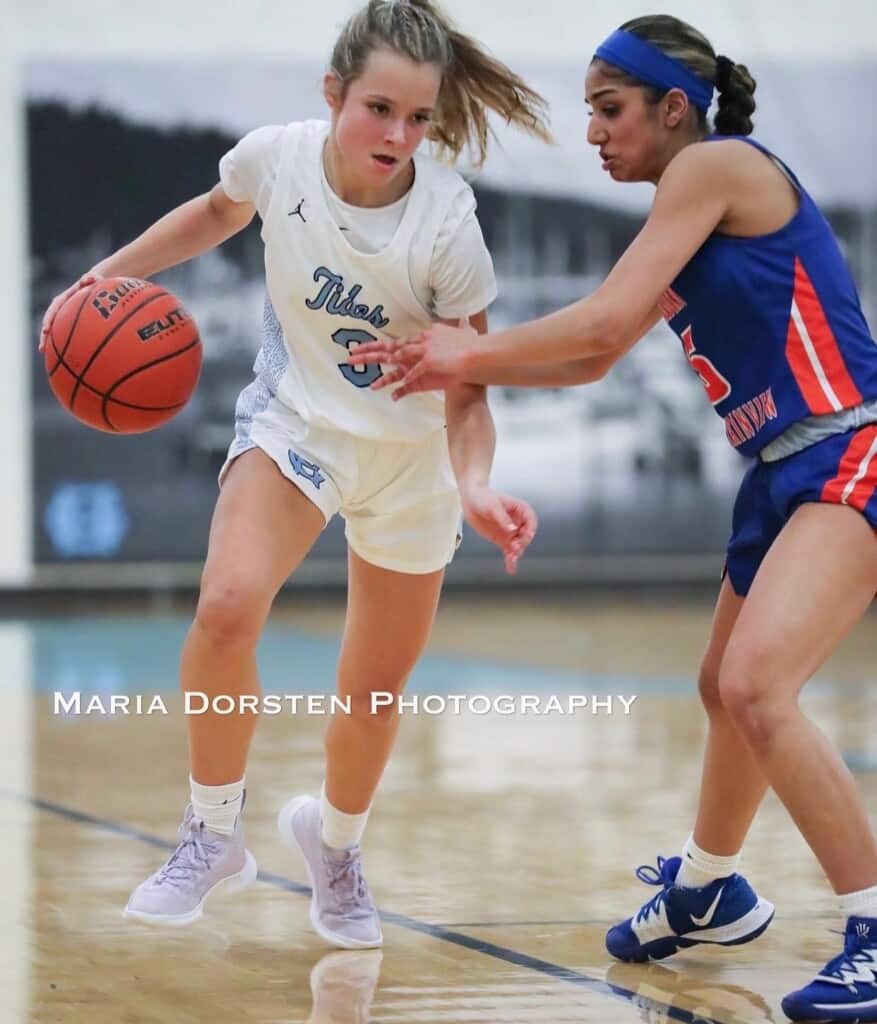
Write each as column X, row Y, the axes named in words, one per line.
column 699, row 868
column 859, row 904
column 217, row 806
column 340, row 830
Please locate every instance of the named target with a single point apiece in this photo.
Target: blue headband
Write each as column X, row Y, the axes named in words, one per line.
column 649, row 64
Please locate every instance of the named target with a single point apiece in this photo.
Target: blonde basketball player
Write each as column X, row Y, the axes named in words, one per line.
column 364, row 239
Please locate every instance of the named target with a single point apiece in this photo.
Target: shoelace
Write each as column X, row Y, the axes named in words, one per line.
column 193, row 852
column 652, row 876
column 843, row 967
column 346, row 879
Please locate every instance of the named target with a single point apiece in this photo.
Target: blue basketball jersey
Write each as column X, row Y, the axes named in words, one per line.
column 773, row 326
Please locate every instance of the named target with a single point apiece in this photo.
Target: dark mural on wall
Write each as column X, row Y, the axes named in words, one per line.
column 634, row 464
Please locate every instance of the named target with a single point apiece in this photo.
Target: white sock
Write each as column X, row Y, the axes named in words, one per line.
column 340, row 830
column 699, row 868
column 217, row 806
column 859, row 904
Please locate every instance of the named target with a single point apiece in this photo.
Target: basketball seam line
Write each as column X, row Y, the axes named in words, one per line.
column 118, row 401
column 108, row 396
column 61, row 352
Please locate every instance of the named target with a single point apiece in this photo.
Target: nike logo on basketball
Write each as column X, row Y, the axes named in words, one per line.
column 702, row 922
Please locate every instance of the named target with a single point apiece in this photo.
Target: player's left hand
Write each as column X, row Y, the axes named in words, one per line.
column 59, row 300
column 435, row 359
column 508, row 522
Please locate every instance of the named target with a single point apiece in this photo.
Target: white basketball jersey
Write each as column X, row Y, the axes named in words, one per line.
column 328, row 297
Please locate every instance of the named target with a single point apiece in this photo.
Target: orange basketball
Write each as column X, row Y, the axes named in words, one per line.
column 123, row 355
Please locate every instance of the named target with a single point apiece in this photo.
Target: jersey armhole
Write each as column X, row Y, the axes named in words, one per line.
column 786, row 172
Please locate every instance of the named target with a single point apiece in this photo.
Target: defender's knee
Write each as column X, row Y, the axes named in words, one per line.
column 756, row 705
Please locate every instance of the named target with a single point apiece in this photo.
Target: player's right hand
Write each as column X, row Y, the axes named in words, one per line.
column 58, row 302
column 435, row 358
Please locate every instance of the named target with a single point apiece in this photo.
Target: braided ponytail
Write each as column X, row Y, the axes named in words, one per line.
column 736, row 89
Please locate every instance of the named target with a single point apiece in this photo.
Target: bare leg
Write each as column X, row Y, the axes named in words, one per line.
column 262, row 528
column 729, row 796
column 389, row 619
column 816, row 582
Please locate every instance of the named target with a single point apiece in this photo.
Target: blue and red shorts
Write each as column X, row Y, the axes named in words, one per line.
column 841, row 470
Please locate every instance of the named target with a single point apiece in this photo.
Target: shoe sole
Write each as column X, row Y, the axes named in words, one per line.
column 754, row 923
column 290, row 839
column 232, row 884
column 819, row 1013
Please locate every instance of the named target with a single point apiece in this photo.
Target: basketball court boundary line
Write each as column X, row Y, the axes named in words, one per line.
column 501, row 953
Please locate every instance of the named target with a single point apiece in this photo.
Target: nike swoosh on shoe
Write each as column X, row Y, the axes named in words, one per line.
column 702, row 922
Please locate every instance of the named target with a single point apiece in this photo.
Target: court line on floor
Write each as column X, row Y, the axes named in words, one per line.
column 803, row 915
column 522, row 924
column 502, row 953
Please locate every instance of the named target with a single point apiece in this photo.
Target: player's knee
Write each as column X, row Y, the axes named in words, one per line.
column 230, row 613
column 741, row 688
column 708, row 687
column 752, row 699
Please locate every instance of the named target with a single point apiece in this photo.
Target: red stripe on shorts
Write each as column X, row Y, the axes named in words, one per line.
column 857, row 473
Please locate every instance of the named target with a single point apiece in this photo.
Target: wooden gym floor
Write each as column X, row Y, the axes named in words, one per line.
column 499, row 850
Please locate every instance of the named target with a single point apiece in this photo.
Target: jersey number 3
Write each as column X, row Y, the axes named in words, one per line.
column 359, row 376
column 717, row 388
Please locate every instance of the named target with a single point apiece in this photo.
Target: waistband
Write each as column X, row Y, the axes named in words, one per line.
column 813, row 429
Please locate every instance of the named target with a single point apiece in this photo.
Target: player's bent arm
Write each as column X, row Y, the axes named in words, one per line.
column 591, row 368
column 188, row 230
column 563, row 375
column 692, row 198
column 551, row 375
column 471, row 433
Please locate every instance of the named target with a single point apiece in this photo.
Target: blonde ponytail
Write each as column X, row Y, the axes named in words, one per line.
column 473, row 82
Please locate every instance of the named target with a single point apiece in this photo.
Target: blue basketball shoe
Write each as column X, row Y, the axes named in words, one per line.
column 846, row 990
column 727, row 912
